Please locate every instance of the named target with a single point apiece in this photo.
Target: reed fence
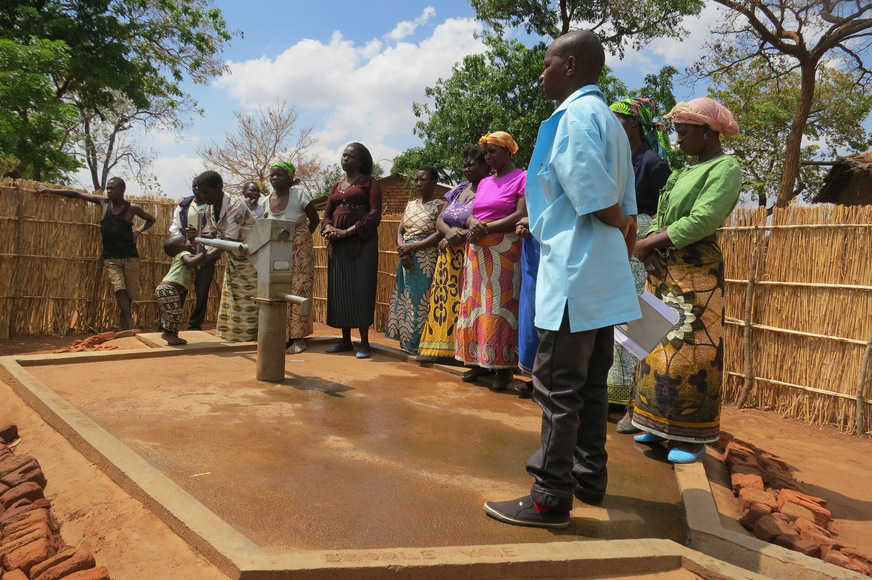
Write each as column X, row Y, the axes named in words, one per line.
column 798, row 298
column 799, row 313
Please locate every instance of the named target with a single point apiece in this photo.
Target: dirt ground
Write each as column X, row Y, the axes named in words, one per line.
column 132, row 543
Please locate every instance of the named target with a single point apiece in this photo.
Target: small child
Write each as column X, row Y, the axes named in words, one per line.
column 179, row 279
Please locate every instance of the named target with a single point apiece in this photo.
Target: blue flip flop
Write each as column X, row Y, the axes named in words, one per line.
column 649, row 438
column 677, row 455
column 360, row 354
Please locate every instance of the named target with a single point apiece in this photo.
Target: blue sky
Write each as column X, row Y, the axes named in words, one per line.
column 352, row 70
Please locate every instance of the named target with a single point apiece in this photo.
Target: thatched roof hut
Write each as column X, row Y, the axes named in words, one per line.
column 849, row 182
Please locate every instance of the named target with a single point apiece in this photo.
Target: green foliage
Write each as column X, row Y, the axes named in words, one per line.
column 331, row 178
column 498, row 91
column 111, row 51
column 33, row 121
column 619, row 25
column 764, row 105
column 495, row 91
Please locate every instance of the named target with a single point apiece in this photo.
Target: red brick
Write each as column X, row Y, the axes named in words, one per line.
column 839, row 559
column 30, row 471
column 748, row 496
column 792, row 495
column 778, row 480
column 735, row 453
column 12, row 463
column 8, row 433
column 807, row 525
column 822, row 515
column 723, row 439
column 25, row 506
column 770, row 527
column 15, row 575
column 754, row 512
column 41, row 527
column 857, row 554
column 5, row 452
column 740, row 481
column 99, row 573
column 24, row 519
column 794, row 510
column 774, row 460
column 63, row 564
column 26, row 557
column 28, row 490
column 21, row 541
column 799, row 544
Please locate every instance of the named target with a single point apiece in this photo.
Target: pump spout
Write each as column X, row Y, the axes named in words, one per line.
column 305, row 304
column 227, row 245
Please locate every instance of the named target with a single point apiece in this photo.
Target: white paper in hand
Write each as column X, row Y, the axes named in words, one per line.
column 642, row 336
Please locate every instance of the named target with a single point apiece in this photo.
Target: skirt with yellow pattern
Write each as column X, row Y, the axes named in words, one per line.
column 678, row 391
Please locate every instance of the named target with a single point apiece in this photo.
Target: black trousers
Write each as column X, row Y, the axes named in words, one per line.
column 570, row 374
column 202, row 283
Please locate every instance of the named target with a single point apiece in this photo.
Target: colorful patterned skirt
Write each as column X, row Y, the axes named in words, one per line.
column 302, row 281
column 438, row 336
column 237, row 313
column 410, row 299
column 487, row 326
column 678, row 394
column 622, row 375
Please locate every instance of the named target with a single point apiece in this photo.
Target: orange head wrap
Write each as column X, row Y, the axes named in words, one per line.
column 502, row 139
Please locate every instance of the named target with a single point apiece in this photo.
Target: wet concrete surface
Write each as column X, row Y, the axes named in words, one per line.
column 351, row 454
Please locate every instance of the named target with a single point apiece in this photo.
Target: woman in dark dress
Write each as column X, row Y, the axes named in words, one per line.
column 350, row 226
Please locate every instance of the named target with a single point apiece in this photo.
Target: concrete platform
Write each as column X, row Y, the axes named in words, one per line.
column 376, row 465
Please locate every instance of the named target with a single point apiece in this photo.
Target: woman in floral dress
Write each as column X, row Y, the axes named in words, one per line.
column 678, row 392
column 416, row 244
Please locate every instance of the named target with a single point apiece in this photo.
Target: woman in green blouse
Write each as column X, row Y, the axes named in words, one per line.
column 679, row 384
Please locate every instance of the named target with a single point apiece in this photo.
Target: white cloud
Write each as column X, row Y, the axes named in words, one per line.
column 407, row 28
column 678, row 52
column 360, row 93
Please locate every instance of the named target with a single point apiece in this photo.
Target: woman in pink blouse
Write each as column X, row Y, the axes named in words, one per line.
column 487, row 327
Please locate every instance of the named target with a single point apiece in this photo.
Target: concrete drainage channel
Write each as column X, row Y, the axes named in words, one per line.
column 711, row 552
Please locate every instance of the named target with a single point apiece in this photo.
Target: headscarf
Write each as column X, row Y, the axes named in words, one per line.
column 644, row 110
column 290, row 168
column 705, row 111
column 502, row 139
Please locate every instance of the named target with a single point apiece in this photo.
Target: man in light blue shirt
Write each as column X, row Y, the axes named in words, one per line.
column 580, row 199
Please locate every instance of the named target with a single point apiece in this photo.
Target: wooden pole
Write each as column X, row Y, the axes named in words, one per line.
column 861, row 388
column 749, row 306
column 17, row 263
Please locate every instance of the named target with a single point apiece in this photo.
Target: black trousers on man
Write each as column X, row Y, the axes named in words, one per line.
column 202, row 283
column 570, row 375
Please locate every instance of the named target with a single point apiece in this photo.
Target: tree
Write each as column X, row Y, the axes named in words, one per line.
column 498, row 90
column 798, row 39
column 494, row 91
column 34, row 123
column 104, row 143
column 618, row 24
column 764, row 105
column 114, row 51
column 261, row 138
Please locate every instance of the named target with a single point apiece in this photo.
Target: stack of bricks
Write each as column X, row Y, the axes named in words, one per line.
column 31, row 547
column 95, row 342
column 774, row 508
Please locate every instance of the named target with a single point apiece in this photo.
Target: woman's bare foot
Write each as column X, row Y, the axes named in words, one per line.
column 172, row 339
column 297, row 346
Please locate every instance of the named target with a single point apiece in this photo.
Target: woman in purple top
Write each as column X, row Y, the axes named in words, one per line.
column 437, row 339
column 487, row 327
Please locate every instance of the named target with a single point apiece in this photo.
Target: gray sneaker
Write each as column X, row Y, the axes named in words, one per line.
column 522, row 512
